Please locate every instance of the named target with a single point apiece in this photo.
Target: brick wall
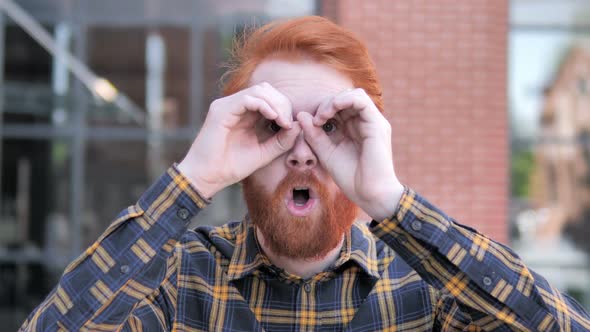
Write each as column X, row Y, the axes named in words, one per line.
column 442, row 65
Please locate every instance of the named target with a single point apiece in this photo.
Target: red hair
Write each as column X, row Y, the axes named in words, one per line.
column 311, row 36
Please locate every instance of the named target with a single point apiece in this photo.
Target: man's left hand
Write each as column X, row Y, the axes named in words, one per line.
column 357, row 153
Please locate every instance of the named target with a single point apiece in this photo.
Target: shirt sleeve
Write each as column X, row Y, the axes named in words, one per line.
column 124, row 276
column 483, row 283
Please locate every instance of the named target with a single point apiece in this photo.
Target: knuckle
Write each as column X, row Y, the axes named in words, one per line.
column 358, row 100
column 257, row 89
column 263, row 88
column 215, row 105
column 246, row 100
column 362, row 95
column 337, row 103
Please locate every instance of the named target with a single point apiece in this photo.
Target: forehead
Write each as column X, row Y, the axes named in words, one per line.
column 305, row 82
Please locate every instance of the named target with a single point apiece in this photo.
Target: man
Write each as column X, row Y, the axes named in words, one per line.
column 300, row 126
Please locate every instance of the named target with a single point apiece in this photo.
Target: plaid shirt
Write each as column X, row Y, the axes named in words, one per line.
column 417, row 271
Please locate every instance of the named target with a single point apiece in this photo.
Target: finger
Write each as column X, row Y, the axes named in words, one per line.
column 250, row 103
column 319, row 141
column 357, row 102
column 324, row 112
column 328, row 109
column 280, row 143
column 277, row 101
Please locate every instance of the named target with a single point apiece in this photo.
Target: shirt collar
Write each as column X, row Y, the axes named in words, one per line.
column 359, row 247
column 246, row 257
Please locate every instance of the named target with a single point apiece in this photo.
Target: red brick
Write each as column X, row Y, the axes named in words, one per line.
column 442, row 65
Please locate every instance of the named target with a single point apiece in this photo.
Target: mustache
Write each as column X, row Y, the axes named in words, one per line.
column 296, row 178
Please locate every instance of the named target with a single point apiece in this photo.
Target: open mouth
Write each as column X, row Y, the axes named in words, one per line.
column 300, row 196
column 301, row 201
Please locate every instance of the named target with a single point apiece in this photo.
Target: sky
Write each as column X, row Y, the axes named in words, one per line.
column 540, row 35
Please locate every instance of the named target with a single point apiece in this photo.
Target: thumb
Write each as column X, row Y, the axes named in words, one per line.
column 315, row 136
column 280, row 143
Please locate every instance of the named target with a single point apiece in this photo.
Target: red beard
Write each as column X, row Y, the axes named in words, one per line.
column 308, row 237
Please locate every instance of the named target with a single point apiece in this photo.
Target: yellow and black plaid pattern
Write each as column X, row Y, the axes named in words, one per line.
column 417, row 271
column 481, row 279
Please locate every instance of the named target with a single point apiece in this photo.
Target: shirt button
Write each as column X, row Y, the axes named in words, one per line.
column 307, row 287
column 124, row 269
column 487, row 281
column 416, row 225
column 183, row 214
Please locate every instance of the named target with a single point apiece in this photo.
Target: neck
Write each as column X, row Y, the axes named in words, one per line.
column 302, row 267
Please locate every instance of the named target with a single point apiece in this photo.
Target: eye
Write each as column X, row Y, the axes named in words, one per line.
column 274, row 127
column 329, row 126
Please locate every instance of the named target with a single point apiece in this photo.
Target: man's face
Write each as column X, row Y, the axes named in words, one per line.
column 293, row 201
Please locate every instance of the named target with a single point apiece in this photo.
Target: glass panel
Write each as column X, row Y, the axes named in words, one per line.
column 27, row 87
column 116, row 175
column 149, row 65
column 118, row 172
column 35, row 237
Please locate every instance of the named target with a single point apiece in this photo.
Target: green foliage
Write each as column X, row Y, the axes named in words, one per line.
column 522, row 164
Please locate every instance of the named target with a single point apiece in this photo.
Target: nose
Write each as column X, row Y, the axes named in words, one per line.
column 301, row 157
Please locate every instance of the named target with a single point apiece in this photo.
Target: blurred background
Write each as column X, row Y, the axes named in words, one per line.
column 489, row 102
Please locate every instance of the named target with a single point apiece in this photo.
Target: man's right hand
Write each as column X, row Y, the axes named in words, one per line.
column 228, row 149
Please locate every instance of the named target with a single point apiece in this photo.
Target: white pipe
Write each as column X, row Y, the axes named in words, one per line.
column 99, row 86
column 155, row 55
